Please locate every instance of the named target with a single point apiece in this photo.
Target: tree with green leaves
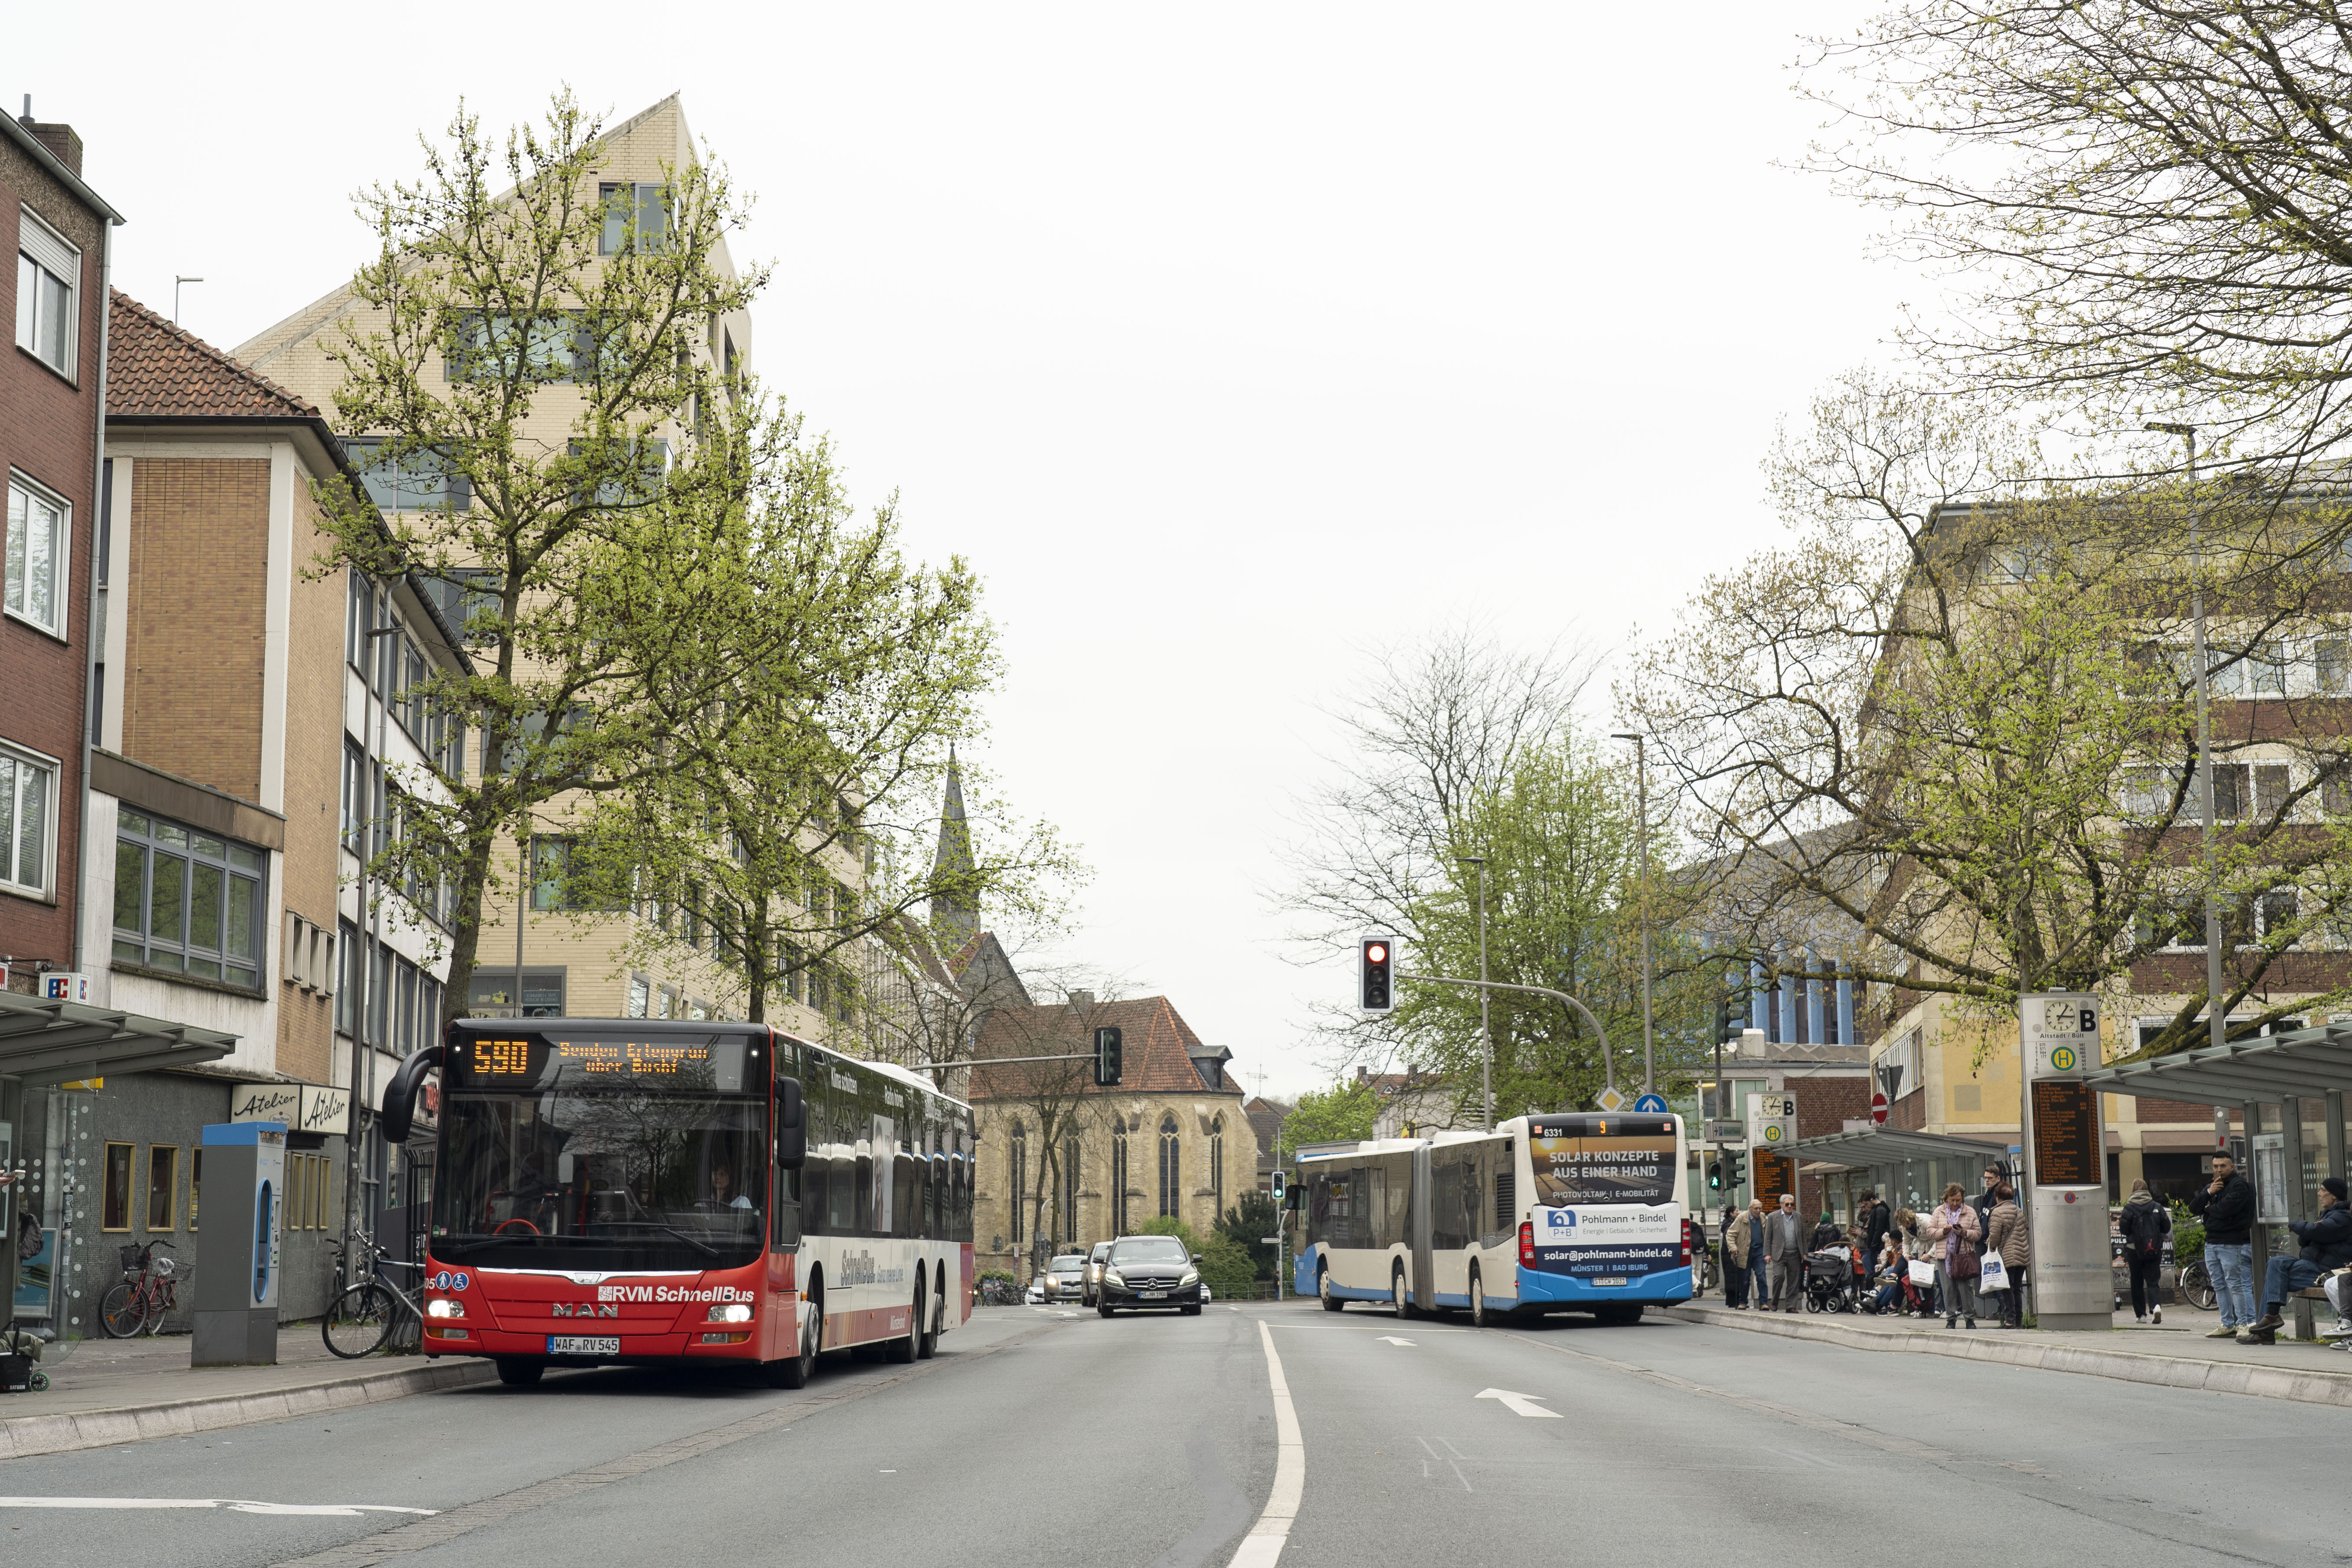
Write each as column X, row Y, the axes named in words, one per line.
column 1347, row 1110
column 1245, row 1225
column 545, row 360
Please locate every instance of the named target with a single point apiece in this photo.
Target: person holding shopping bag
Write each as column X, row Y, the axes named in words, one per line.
column 2006, row 1239
column 1951, row 1229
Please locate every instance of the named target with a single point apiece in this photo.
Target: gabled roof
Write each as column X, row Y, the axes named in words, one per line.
column 1156, row 1049
column 156, row 370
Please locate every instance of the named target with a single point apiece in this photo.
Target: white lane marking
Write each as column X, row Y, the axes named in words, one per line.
column 1261, row 1547
column 234, row 1505
column 1522, row 1403
column 1392, row 1340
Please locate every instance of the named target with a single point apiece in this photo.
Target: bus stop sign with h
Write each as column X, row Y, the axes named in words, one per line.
column 2065, row 1156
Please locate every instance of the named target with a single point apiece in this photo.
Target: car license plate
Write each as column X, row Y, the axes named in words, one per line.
column 1609, row 1281
column 1151, row 1295
column 583, row 1344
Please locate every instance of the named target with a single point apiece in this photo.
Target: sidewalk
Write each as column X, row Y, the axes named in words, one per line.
column 104, row 1392
column 2176, row 1356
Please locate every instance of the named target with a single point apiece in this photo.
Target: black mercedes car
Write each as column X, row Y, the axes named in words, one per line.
column 1149, row 1271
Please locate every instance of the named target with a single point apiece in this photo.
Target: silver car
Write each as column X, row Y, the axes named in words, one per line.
column 1066, row 1277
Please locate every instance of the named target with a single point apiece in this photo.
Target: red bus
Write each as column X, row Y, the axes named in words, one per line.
column 633, row 1191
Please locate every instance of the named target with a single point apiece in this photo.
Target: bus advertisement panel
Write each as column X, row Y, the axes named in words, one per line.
column 1606, row 1212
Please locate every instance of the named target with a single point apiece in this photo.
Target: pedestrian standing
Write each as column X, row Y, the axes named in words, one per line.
column 1760, row 1267
column 1735, row 1257
column 2227, row 1206
column 2147, row 1221
column 1875, row 1220
column 1951, row 1228
column 1784, row 1248
column 2006, row 1235
column 1995, row 1174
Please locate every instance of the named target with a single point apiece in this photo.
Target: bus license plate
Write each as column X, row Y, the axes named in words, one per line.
column 1617, row 1281
column 582, row 1345
column 1151, row 1295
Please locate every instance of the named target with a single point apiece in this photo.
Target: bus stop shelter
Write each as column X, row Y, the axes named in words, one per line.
column 2287, row 1091
column 1907, row 1168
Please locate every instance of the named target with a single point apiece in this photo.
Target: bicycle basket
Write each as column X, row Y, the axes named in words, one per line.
column 132, row 1258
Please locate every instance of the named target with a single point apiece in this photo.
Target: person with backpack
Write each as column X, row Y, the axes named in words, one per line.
column 2146, row 1220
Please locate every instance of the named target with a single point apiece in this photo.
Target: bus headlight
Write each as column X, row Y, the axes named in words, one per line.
column 442, row 1307
column 733, row 1312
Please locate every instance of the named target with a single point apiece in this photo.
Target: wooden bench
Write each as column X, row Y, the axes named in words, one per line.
column 2306, row 1326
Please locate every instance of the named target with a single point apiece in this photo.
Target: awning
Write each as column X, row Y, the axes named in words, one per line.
column 55, row 1042
column 2303, row 1065
column 1892, row 1146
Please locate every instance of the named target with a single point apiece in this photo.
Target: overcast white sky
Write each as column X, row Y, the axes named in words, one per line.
column 1225, row 340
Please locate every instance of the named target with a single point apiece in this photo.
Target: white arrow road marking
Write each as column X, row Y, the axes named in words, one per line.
column 235, row 1505
column 1392, row 1340
column 1522, row 1403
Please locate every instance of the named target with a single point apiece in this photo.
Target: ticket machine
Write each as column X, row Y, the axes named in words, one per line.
column 237, row 1268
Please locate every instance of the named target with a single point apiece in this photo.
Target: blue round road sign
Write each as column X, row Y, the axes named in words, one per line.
column 1651, row 1104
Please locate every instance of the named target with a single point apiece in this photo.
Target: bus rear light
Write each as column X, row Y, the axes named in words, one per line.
column 1527, row 1244
column 1687, row 1243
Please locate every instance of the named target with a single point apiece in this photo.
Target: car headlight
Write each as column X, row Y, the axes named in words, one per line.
column 1113, row 1277
column 442, row 1307
column 732, row 1312
column 1191, row 1276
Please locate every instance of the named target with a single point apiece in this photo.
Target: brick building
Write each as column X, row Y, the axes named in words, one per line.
column 1064, row 1165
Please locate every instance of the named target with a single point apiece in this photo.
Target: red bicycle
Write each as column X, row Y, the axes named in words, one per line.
column 148, row 1292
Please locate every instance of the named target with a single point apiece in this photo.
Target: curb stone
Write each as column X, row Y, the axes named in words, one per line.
column 26, row 1436
column 2252, row 1378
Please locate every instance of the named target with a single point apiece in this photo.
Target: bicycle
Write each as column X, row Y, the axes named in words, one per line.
column 2196, row 1285
column 150, row 1289
column 374, row 1313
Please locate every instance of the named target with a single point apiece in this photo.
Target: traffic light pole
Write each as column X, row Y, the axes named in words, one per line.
column 1608, row 1064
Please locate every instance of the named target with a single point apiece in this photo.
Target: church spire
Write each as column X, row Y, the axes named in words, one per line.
column 955, row 914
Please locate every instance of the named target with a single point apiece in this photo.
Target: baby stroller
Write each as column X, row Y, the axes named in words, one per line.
column 1829, row 1282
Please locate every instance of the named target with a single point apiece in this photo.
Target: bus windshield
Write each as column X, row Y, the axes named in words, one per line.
column 615, row 1176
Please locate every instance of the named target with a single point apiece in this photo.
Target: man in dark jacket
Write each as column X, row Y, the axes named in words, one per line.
column 1876, row 1221
column 2327, row 1243
column 1984, row 1201
column 2227, row 1207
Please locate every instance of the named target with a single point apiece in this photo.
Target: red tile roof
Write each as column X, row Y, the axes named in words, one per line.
column 1153, row 1048
column 157, row 370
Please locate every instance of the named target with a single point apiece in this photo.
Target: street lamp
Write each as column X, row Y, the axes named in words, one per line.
column 1641, row 789
column 2217, row 1024
column 1485, row 1024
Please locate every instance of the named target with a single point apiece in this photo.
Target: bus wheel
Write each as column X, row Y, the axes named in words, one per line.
column 928, row 1345
column 1477, row 1299
column 898, row 1352
column 518, row 1373
column 1398, row 1292
column 796, row 1372
column 1323, row 1289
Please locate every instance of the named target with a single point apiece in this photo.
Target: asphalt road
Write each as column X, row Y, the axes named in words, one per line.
column 1041, row 1437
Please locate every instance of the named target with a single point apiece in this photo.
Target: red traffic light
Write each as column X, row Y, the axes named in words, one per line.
column 1376, row 954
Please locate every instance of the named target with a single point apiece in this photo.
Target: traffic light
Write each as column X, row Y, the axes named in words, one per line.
column 1723, row 1023
column 1735, row 1168
column 1376, row 974
column 1108, row 1051
column 1281, row 1191
column 1715, row 1175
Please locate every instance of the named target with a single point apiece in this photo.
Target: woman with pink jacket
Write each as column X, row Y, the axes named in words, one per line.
column 1952, row 1233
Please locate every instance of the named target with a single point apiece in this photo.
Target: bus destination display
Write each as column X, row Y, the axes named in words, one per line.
column 2066, row 1151
column 523, row 1061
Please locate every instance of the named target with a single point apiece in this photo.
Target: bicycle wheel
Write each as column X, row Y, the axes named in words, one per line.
column 2196, row 1288
column 123, row 1312
column 360, row 1320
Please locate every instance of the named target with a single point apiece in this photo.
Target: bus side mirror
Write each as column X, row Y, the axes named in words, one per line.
column 791, row 1125
column 400, row 1094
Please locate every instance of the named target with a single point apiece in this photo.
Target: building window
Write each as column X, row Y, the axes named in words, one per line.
column 48, row 268
column 162, row 1186
column 1170, row 1167
column 38, row 522
column 1017, row 1152
column 646, row 206
column 640, row 999
column 185, row 900
column 1119, row 1176
column 1217, row 1162
column 28, row 794
column 195, row 1183
column 114, row 1197
column 543, row 994
column 553, row 870
column 1070, row 1190
column 421, row 481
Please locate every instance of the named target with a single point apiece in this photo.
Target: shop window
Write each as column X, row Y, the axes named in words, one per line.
column 114, row 1196
column 162, row 1186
